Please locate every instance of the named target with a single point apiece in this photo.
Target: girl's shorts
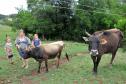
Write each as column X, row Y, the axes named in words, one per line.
column 10, row 56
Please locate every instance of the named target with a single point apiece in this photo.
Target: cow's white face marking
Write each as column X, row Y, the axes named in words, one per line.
column 93, row 45
column 94, row 52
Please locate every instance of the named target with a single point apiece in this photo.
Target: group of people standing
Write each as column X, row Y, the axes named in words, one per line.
column 22, row 42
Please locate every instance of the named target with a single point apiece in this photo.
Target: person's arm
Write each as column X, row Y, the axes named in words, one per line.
column 17, row 43
column 11, row 47
column 33, row 44
column 29, row 41
column 5, row 47
column 40, row 43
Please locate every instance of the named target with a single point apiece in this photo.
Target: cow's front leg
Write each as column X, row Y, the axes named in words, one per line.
column 46, row 65
column 40, row 62
column 97, row 62
column 94, row 58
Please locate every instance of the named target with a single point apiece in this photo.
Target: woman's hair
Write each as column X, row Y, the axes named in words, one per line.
column 36, row 34
column 21, row 31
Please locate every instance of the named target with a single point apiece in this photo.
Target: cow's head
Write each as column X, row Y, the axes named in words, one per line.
column 28, row 51
column 34, row 52
column 94, row 43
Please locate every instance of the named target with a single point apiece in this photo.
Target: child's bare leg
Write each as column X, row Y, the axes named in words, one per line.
column 26, row 62
column 23, row 60
column 11, row 61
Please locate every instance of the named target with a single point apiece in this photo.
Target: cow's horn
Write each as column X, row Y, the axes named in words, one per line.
column 100, row 34
column 87, row 33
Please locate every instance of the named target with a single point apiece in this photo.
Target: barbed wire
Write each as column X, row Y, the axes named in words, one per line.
column 98, row 11
column 85, row 5
column 83, row 10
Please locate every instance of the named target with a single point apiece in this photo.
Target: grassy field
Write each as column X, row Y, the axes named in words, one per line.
column 77, row 71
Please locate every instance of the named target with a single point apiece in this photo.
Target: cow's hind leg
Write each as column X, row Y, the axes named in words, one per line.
column 113, row 56
column 58, row 59
column 40, row 62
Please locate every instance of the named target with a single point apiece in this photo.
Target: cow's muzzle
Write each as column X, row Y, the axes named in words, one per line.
column 94, row 52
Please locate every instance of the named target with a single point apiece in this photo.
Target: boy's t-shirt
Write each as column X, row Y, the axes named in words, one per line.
column 36, row 42
column 8, row 48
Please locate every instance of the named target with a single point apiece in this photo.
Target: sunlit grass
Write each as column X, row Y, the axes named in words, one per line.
column 77, row 71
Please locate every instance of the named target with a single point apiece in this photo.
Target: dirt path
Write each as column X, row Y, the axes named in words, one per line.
column 2, row 58
column 26, row 80
column 51, row 65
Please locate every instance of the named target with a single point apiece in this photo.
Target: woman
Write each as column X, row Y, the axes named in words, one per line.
column 22, row 43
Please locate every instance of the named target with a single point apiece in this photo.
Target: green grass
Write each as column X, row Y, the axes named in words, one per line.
column 77, row 71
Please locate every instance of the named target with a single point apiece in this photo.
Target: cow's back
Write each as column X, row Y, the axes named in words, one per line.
column 113, row 39
column 52, row 49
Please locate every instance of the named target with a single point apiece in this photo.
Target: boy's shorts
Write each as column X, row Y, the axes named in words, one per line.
column 10, row 56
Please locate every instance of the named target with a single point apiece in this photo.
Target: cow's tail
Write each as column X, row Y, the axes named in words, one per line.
column 66, row 54
column 67, row 57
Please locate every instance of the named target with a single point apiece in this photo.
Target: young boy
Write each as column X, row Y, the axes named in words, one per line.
column 36, row 42
column 8, row 49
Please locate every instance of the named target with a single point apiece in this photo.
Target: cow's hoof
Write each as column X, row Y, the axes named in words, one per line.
column 26, row 67
column 47, row 71
column 110, row 66
column 38, row 71
column 23, row 66
column 95, row 73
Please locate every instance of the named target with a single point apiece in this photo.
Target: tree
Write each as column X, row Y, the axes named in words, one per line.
column 24, row 20
column 68, row 19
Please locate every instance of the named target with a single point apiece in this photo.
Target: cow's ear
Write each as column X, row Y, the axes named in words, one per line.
column 103, row 41
column 85, row 39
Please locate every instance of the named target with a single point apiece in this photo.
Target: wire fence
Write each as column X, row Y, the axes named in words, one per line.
column 99, row 10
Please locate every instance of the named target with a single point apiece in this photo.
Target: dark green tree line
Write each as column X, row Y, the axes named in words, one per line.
column 68, row 19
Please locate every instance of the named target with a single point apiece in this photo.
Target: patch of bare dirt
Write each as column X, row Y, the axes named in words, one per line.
column 26, row 80
column 81, row 53
column 4, row 81
column 2, row 58
column 75, row 82
column 51, row 65
column 96, row 79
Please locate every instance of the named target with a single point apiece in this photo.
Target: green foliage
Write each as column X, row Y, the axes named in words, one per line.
column 24, row 20
column 67, row 19
column 2, row 16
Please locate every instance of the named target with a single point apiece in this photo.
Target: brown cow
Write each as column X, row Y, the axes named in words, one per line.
column 48, row 51
column 103, row 42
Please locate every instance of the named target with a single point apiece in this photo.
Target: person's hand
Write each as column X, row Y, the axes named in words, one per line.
column 18, row 46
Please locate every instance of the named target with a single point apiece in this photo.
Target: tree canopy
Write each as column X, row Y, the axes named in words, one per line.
column 68, row 19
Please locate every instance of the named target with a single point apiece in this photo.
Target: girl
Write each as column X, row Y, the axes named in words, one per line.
column 8, row 49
